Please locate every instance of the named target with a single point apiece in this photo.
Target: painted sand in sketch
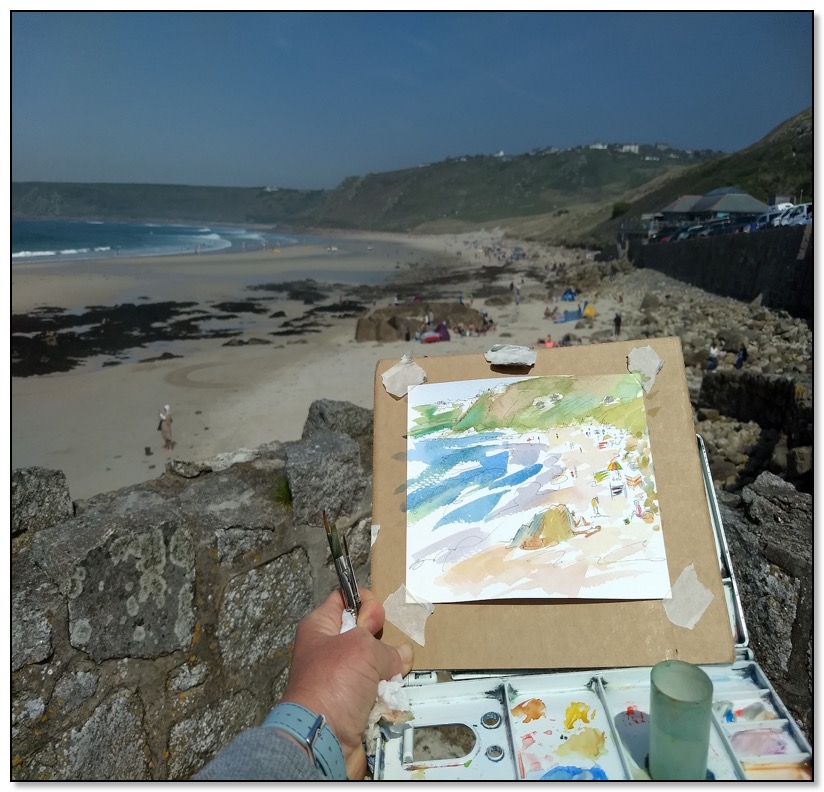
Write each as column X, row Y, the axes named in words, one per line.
column 539, row 487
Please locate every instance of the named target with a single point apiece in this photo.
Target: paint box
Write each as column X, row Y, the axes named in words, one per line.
column 589, row 726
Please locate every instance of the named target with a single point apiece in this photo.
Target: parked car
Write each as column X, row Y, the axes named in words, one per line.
column 713, row 227
column 688, row 233
column 766, row 220
column 800, row 212
column 741, row 224
column 661, row 233
column 778, row 220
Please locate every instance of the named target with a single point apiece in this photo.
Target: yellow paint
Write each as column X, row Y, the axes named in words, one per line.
column 779, row 772
column 577, row 711
column 418, row 775
column 588, row 742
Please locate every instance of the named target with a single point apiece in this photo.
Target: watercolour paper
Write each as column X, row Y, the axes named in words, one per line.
column 532, row 488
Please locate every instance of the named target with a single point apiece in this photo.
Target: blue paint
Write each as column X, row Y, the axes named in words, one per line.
column 432, row 448
column 431, row 488
column 519, row 476
column 573, row 773
column 474, row 512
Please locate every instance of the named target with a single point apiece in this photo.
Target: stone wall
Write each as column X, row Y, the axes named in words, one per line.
column 776, row 263
column 156, row 622
column 772, row 401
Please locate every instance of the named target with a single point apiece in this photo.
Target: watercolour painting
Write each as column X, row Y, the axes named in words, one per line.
column 532, row 488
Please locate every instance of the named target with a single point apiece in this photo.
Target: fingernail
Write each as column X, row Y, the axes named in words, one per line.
column 405, row 651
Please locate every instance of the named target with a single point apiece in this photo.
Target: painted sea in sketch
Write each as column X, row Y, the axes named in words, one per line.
column 537, row 487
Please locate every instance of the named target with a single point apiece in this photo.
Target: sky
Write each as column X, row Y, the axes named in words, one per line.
column 305, row 99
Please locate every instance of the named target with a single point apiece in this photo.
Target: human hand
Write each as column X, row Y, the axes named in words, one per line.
column 337, row 674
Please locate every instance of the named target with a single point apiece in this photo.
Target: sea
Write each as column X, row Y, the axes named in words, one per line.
column 53, row 240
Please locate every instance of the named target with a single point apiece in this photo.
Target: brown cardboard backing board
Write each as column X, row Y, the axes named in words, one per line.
column 562, row 634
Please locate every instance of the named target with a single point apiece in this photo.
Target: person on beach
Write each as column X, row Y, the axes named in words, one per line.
column 165, row 427
column 315, row 732
column 616, row 325
column 712, row 363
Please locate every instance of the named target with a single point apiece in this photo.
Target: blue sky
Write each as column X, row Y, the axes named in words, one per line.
column 305, row 99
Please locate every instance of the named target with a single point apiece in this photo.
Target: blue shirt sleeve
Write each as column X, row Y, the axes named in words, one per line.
column 260, row 754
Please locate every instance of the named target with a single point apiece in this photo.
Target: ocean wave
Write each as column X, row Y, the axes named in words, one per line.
column 28, row 253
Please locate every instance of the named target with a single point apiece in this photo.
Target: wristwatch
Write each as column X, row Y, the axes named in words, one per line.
column 312, row 731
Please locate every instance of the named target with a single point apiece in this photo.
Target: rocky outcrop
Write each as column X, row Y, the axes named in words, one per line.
column 391, row 322
column 154, row 623
column 39, row 498
column 769, row 530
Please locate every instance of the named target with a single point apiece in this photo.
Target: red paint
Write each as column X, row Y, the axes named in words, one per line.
column 634, row 715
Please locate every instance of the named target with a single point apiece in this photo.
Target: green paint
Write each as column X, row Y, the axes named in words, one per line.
column 535, row 405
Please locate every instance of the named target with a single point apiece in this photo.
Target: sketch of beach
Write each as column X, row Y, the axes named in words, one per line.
column 536, row 487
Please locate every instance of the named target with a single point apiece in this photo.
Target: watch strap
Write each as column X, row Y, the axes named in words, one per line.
column 312, row 731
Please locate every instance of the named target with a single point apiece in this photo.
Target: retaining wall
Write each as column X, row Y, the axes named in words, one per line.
column 776, row 263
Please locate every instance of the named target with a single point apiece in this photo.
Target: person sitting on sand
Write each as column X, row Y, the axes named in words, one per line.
column 166, row 427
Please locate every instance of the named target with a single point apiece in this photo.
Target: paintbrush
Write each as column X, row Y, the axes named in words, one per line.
column 344, row 568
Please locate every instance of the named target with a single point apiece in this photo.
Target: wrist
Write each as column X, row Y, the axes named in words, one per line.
column 312, row 732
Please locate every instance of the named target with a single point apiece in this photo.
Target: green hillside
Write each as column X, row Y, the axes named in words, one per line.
column 481, row 189
column 159, row 202
column 567, row 197
column 781, row 163
column 473, row 189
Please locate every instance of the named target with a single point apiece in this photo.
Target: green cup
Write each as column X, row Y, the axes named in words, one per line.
column 680, row 719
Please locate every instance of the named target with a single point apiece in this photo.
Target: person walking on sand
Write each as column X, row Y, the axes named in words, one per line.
column 166, row 427
column 712, row 363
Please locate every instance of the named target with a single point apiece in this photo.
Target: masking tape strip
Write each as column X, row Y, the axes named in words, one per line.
column 645, row 364
column 408, row 613
column 402, row 376
column 511, row 355
column 689, row 598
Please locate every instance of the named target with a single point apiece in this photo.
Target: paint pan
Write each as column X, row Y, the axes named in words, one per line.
column 562, row 734
column 590, row 725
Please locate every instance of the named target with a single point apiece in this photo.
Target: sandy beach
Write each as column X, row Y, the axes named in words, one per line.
column 98, row 422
